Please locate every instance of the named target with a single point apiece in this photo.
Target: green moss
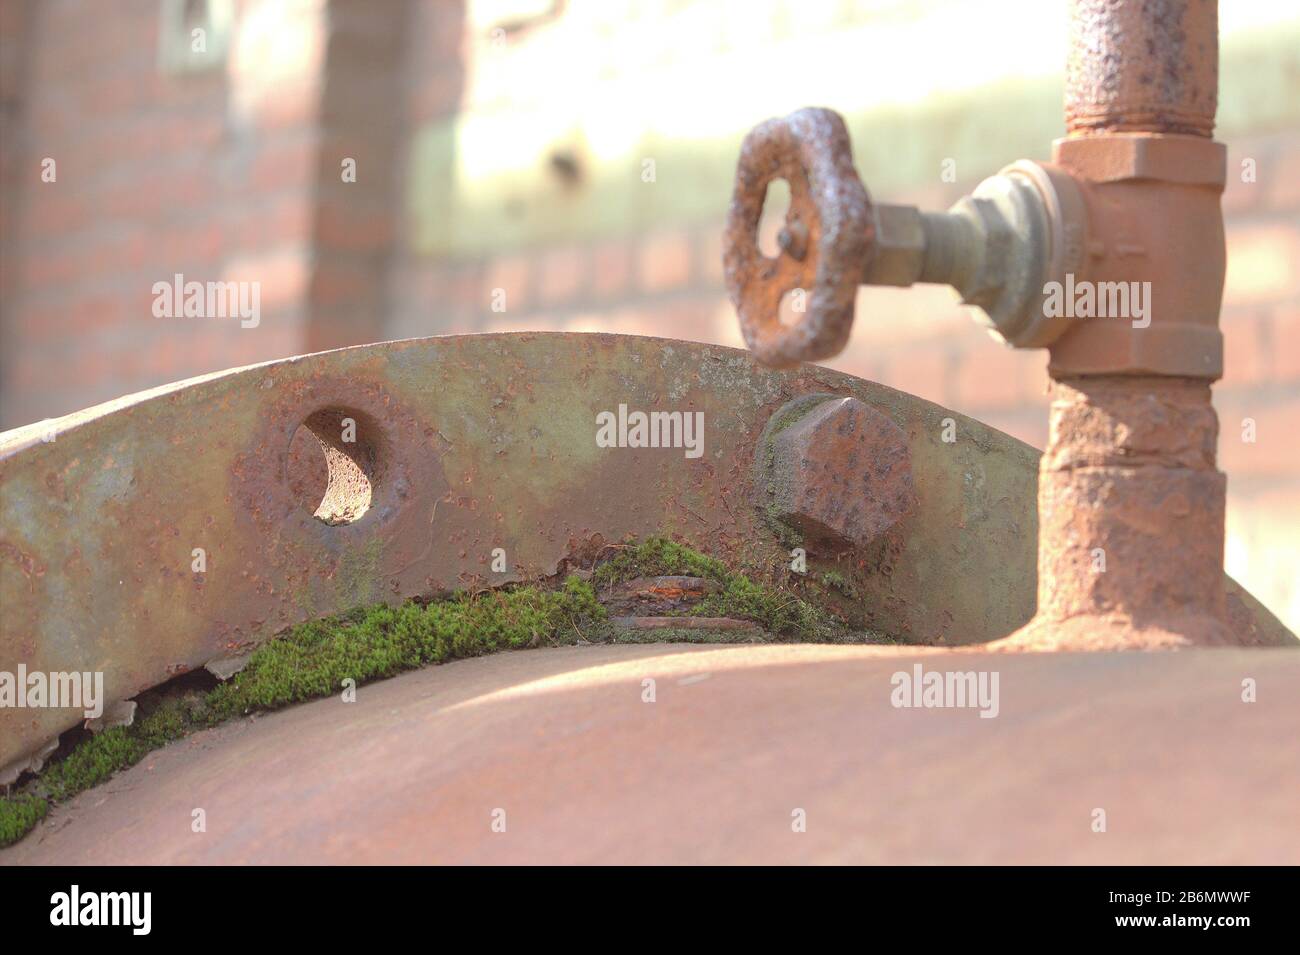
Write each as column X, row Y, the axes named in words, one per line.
column 777, row 611
column 682, row 635
column 18, row 814
column 358, row 572
column 834, row 580
column 781, row 612
column 787, row 536
column 312, row 660
column 658, row 557
column 795, row 411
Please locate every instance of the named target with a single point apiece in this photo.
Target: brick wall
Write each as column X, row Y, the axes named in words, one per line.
column 354, row 228
column 1261, row 382
column 231, row 172
column 203, row 173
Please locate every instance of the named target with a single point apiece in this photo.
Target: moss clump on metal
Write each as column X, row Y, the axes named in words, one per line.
column 834, row 580
column 312, row 660
column 18, row 814
column 658, row 557
column 779, row 611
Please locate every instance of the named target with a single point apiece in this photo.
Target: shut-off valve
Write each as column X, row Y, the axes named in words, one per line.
column 1130, row 500
column 998, row 247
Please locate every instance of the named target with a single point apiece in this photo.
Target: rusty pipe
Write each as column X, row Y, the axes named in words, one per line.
column 1131, row 503
column 1127, row 216
column 1148, row 66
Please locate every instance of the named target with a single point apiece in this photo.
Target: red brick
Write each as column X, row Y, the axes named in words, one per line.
column 53, row 211
column 201, row 243
column 468, row 291
column 512, row 274
column 664, row 261
column 353, row 227
column 1028, row 424
column 288, row 107
column 277, row 337
column 155, row 196
column 1275, row 452
column 337, row 282
column 682, row 318
column 48, row 269
column 510, row 322
column 1284, row 342
column 709, row 244
column 695, row 318
column 611, row 268
column 1283, row 180
column 857, row 359
column 439, row 97
column 561, row 274
column 1262, row 263
column 924, row 371
column 991, row 375
column 897, row 317
column 1246, row 358
column 282, row 162
column 270, row 222
column 283, row 274
column 1239, row 196
column 724, row 325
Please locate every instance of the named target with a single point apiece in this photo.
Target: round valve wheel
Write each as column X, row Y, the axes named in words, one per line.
column 825, row 243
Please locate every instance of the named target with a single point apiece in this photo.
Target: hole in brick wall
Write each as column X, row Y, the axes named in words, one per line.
column 568, row 167
column 332, row 465
column 776, row 203
column 194, row 35
column 194, row 13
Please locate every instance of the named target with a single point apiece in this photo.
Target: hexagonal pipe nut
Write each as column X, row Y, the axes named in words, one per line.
column 836, row 470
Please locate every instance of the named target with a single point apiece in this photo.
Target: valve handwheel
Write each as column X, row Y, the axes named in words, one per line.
column 825, row 244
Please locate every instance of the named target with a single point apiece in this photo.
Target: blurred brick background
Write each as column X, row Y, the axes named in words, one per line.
column 502, row 146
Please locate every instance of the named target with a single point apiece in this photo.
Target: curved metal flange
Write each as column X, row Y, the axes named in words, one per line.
column 471, row 443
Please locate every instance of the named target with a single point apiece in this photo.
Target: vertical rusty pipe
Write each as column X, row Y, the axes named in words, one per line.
column 1142, row 66
column 1131, row 503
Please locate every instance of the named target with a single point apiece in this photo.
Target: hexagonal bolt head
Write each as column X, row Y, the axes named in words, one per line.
column 840, row 473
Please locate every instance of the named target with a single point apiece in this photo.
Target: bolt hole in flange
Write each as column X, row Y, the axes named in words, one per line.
column 334, row 459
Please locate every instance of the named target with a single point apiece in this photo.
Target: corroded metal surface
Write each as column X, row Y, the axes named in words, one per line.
column 835, row 470
column 1142, row 65
column 1131, row 507
column 824, row 246
column 1131, row 502
column 1155, row 229
column 473, row 443
column 555, row 756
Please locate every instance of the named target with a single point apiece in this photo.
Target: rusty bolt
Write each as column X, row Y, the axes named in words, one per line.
column 836, row 470
column 793, row 240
